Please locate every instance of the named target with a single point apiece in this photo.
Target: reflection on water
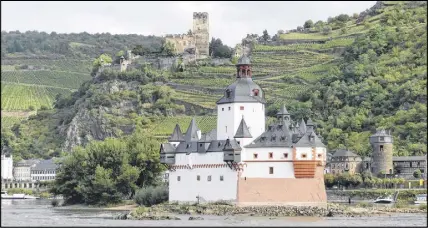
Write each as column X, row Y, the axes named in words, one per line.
column 41, row 213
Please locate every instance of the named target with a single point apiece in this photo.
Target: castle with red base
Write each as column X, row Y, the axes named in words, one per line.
column 243, row 162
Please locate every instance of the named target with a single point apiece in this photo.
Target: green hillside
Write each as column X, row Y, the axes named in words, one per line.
column 351, row 75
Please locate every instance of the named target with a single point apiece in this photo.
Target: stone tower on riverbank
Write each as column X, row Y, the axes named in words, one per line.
column 381, row 143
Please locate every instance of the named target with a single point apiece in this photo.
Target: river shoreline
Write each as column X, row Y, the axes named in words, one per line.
column 170, row 211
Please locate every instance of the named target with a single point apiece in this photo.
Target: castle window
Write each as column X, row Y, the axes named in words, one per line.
column 222, row 109
column 200, row 144
column 303, row 155
column 319, row 155
column 270, row 170
column 255, row 156
column 381, row 148
column 239, row 143
column 178, row 178
column 255, row 92
column 198, row 178
column 241, row 108
column 270, row 155
column 312, row 138
column 367, row 165
column 221, row 178
column 219, row 144
column 228, row 92
column 285, row 155
column 381, row 138
column 229, row 108
column 209, row 178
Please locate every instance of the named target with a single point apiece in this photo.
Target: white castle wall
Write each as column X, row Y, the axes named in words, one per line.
column 254, row 115
column 188, row 188
column 6, row 167
column 259, row 167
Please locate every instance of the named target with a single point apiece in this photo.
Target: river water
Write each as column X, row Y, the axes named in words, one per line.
column 41, row 213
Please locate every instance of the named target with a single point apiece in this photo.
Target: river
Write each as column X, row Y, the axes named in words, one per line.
column 41, row 213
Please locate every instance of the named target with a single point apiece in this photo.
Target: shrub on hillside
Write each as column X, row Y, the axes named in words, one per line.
column 151, row 195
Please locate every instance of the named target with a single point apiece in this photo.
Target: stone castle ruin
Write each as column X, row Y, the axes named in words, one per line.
column 196, row 43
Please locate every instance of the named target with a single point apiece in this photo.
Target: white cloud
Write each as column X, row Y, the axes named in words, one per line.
column 230, row 21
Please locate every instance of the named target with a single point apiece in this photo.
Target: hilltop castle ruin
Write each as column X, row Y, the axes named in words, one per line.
column 198, row 41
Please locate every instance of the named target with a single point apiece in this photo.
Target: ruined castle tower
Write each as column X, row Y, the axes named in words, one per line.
column 201, row 33
column 382, row 152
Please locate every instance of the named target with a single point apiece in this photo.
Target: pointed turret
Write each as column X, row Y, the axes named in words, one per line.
column 243, row 131
column 192, row 132
column 310, row 125
column 302, row 127
column 177, row 135
column 283, row 115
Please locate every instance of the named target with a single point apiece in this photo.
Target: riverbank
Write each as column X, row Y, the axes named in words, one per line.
column 170, row 211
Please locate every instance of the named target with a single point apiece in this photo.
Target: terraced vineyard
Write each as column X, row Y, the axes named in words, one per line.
column 21, row 97
column 60, row 79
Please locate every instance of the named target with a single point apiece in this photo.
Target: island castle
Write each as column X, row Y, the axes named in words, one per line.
column 243, row 162
column 198, row 41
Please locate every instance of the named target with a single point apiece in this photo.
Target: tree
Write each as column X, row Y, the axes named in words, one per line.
column 326, row 30
column 102, row 59
column 308, row 24
column 329, row 180
column 343, row 18
column 417, row 174
column 105, row 172
column 168, row 48
column 319, row 25
column 355, row 16
column 265, row 36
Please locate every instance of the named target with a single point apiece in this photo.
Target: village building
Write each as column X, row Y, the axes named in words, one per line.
column 382, row 161
column 44, row 171
column 22, row 169
column 243, row 162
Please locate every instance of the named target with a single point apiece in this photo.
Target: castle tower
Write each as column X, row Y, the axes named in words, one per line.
column 382, row 152
column 284, row 116
column 201, row 34
column 243, row 99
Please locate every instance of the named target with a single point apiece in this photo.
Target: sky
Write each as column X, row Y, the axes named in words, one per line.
column 229, row 21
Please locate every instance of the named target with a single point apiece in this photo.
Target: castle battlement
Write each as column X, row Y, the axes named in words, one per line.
column 200, row 15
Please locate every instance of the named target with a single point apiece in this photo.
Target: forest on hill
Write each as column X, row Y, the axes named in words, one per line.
column 350, row 74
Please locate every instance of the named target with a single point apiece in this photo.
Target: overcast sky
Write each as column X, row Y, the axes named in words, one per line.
column 230, row 21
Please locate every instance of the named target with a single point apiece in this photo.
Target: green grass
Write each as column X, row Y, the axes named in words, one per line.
column 71, row 65
column 305, row 46
column 165, row 126
column 21, row 97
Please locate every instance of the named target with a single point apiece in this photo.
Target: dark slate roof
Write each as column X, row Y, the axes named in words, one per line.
column 344, row 153
column 28, row 162
column 380, row 133
column 283, row 111
column 192, row 132
column 243, row 131
column 244, row 60
column 241, row 91
column 408, row 158
column 305, row 141
column 231, row 145
column 45, row 165
column 167, row 148
column 187, row 147
column 216, row 146
column 277, row 135
column 177, row 135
